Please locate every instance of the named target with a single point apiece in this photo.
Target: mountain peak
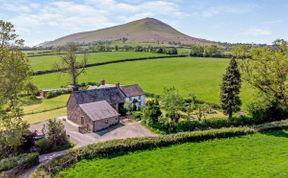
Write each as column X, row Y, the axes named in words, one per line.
column 144, row 30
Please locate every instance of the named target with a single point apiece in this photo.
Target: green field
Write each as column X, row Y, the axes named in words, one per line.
column 45, row 104
column 48, row 62
column 44, row 116
column 201, row 76
column 259, row 155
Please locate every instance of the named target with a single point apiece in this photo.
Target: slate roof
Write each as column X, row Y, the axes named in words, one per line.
column 112, row 95
column 99, row 110
column 92, row 87
column 132, row 90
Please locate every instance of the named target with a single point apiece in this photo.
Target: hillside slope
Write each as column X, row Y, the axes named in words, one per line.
column 144, row 30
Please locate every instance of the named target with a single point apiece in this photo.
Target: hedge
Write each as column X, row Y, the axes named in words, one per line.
column 11, row 167
column 205, row 124
column 120, row 147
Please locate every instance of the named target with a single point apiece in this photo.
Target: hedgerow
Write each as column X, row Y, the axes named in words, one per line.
column 119, row 147
column 10, row 167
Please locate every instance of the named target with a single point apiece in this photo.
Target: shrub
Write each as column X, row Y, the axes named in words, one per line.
column 152, row 111
column 43, row 145
column 137, row 115
column 119, row 147
column 23, row 159
column 52, row 94
column 56, row 133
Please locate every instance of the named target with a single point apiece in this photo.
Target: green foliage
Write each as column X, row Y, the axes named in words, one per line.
column 31, row 89
column 128, row 106
column 230, row 89
column 12, row 132
column 137, row 115
column 202, row 110
column 53, row 94
column 43, row 145
column 56, row 133
column 15, row 72
column 11, row 162
column 265, row 69
column 152, row 111
column 206, row 51
column 119, row 147
column 172, row 102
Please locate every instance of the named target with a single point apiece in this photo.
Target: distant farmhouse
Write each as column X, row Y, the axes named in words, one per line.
column 100, row 106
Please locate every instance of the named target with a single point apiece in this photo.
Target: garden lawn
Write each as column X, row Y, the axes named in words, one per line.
column 258, row 155
column 44, row 116
column 201, row 76
column 45, row 104
column 48, row 62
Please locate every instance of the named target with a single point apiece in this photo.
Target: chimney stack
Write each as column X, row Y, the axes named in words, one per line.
column 102, row 82
column 117, row 84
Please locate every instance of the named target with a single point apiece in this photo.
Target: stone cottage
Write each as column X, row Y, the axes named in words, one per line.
column 98, row 108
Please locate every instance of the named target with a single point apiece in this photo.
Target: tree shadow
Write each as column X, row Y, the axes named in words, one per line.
column 276, row 133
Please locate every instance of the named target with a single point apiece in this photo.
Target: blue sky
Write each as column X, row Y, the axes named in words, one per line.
column 258, row 21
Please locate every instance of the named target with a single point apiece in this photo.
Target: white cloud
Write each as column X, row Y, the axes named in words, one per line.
column 257, row 32
column 57, row 18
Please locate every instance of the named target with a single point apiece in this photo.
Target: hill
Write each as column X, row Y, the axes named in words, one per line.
column 145, row 30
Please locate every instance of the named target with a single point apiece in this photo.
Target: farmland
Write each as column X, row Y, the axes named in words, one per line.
column 259, row 155
column 48, row 62
column 201, row 76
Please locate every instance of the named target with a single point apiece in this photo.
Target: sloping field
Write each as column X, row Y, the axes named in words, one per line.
column 259, row 155
column 48, row 62
column 201, row 76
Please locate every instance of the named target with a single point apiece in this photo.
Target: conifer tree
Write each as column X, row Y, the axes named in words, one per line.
column 230, row 89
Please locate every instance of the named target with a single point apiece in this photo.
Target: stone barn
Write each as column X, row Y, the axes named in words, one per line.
column 88, row 107
column 98, row 107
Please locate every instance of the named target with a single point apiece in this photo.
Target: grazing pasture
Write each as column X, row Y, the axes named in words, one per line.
column 48, row 62
column 201, row 76
column 258, row 155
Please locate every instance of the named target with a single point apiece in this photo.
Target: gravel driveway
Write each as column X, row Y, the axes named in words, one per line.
column 126, row 129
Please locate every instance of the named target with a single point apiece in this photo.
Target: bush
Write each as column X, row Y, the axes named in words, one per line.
column 43, row 145
column 119, row 147
column 52, row 94
column 265, row 110
column 56, row 133
column 28, row 159
column 137, row 115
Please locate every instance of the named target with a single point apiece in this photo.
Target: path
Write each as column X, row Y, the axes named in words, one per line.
column 42, row 159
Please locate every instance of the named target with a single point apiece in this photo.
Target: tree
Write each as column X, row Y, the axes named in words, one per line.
column 71, row 65
column 31, row 89
column 240, row 52
column 230, row 89
column 15, row 72
column 172, row 102
column 266, row 70
column 152, row 111
column 56, row 133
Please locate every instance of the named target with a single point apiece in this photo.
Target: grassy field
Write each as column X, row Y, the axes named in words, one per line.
column 47, row 104
column 48, row 62
column 201, row 76
column 259, row 155
column 44, row 116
